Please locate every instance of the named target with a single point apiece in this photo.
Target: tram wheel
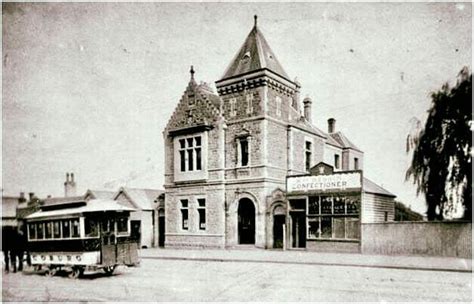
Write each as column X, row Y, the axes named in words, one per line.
column 51, row 272
column 109, row 269
column 76, row 272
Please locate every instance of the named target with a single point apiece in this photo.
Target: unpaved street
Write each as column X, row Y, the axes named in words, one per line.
column 175, row 280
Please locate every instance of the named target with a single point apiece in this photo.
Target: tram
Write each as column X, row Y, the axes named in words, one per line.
column 80, row 236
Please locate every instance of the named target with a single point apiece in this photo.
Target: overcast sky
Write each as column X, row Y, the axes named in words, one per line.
column 88, row 88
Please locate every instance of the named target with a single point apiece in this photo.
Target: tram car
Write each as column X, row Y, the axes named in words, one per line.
column 80, row 236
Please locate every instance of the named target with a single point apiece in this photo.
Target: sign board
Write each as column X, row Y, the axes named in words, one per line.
column 350, row 181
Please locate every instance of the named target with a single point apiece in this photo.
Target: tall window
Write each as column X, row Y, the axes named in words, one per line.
column 202, row 213
column 244, row 151
column 184, row 214
column 278, row 106
column 190, row 151
column 232, row 103
column 336, row 161
column 356, row 163
column 308, row 151
column 249, row 98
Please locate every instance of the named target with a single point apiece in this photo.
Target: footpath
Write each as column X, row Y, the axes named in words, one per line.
column 426, row 263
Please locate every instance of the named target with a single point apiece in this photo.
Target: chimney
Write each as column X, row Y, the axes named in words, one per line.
column 307, row 108
column 31, row 194
column 297, row 93
column 22, row 197
column 331, row 125
column 69, row 185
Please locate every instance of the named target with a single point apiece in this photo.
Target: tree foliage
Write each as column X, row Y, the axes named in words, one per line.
column 442, row 151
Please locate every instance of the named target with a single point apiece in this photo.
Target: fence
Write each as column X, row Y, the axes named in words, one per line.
column 449, row 239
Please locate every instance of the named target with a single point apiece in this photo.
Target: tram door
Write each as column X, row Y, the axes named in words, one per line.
column 109, row 242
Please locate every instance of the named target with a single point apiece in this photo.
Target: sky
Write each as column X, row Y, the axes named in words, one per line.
column 89, row 87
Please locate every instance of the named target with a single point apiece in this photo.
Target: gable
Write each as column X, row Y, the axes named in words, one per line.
column 198, row 106
column 123, row 200
column 322, row 169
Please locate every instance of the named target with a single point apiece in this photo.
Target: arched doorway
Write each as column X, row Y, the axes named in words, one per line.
column 161, row 228
column 279, row 218
column 246, row 221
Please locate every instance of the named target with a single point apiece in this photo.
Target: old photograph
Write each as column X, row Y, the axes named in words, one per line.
column 236, row 152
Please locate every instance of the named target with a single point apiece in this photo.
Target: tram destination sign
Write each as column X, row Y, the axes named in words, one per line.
column 350, row 181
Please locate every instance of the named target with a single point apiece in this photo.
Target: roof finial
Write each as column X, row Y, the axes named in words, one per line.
column 192, row 72
column 255, row 18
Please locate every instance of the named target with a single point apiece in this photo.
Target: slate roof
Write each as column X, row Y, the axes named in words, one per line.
column 371, row 187
column 62, row 200
column 143, row 199
column 254, row 54
column 100, row 194
column 340, row 138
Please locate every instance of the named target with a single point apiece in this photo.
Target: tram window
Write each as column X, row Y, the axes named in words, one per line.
column 49, row 230
column 40, row 231
column 32, row 231
column 75, row 228
column 66, row 227
column 122, row 226
column 91, row 227
column 56, row 230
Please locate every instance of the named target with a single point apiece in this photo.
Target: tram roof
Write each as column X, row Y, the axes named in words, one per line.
column 95, row 205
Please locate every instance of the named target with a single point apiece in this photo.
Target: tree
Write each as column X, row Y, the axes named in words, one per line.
column 442, row 151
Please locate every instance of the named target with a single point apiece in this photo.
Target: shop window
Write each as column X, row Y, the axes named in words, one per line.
column 184, row 214
column 326, row 227
column 352, row 228
column 326, row 205
column 352, row 206
column 66, row 228
column 339, row 205
column 202, row 213
column 298, row 204
column 313, row 228
column 356, row 163
column 32, row 231
column 91, row 227
column 190, row 151
column 313, row 203
column 339, row 227
column 308, row 153
column 336, row 161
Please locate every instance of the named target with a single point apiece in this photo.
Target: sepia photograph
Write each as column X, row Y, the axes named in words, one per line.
column 236, row 151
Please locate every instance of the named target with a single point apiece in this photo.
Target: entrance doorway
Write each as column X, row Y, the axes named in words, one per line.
column 298, row 229
column 278, row 222
column 161, row 228
column 246, row 221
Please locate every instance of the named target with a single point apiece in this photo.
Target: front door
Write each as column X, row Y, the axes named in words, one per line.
column 246, row 221
column 278, row 222
column 161, row 231
column 135, row 232
column 298, row 229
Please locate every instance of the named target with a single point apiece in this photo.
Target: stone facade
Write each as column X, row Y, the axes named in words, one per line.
column 229, row 153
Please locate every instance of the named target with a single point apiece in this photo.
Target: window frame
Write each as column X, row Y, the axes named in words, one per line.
column 184, row 210
column 201, row 208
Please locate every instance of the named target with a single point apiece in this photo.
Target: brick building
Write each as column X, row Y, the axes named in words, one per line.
column 228, row 155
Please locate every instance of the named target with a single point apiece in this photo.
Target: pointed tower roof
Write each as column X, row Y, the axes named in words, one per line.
column 255, row 54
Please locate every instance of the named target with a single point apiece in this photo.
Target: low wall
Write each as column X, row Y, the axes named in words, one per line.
column 449, row 239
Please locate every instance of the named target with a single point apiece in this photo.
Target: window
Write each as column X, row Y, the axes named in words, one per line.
column 91, row 227
column 122, row 226
column 385, row 216
column 48, row 230
column 249, row 99
column 32, row 231
column 66, row 227
column 202, row 213
column 356, row 163
column 308, row 152
column 56, row 229
column 75, row 228
column 244, row 151
column 184, row 214
column 278, row 106
column 40, row 230
column 190, row 153
column 336, row 161
column 232, row 103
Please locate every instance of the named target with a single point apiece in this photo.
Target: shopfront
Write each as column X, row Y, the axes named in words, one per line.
column 324, row 209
